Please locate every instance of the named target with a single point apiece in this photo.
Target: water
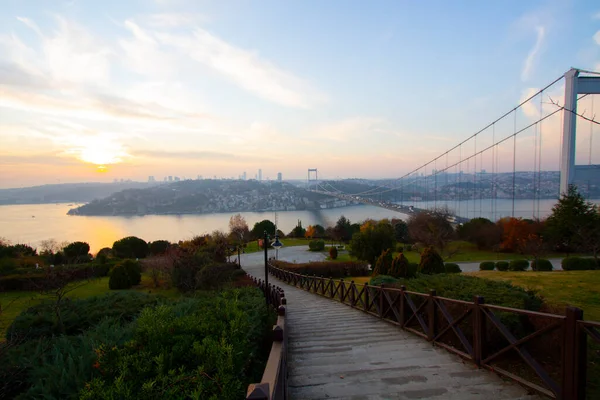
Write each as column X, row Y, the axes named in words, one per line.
column 17, row 223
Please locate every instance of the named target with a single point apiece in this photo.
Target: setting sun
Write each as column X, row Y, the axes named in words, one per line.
column 101, row 151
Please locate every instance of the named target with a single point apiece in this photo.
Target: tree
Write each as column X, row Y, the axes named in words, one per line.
column 515, row 233
column 310, row 232
column 130, row 247
column 319, row 231
column 370, row 242
column 158, row 247
column 238, row 228
column 482, row 232
column 77, row 252
column 400, row 267
column 431, row 228
column 401, row 230
column 260, row 227
column 298, row 231
column 431, row 262
column 342, row 231
column 574, row 223
column 383, row 265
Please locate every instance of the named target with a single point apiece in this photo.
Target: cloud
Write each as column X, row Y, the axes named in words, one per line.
column 246, row 69
column 596, row 15
column 197, row 155
column 531, row 56
column 173, row 20
column 597, row 38
column 348, row 129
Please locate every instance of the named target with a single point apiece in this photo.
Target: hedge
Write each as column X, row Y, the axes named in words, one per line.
column 502, row 265
column 316, row 245
column 452, row 268
column 487, row 266
column 33, row 278
column 541, row 265
column 327, row 269
column 518, row 265
column 578, row 264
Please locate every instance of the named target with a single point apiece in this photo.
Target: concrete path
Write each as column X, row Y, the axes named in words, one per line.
column 337, row 352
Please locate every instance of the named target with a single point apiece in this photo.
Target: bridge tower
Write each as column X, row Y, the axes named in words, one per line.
column 574, row 85
column 309, row 180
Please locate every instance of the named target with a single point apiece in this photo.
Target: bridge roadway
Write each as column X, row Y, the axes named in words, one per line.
column 336, row 352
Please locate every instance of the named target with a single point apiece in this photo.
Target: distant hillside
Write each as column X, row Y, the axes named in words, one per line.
column 209, row 196
column 65, row 192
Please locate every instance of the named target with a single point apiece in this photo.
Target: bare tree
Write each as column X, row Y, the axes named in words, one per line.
column 432, row 228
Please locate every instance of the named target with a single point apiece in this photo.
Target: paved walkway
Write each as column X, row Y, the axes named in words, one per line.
column 337, row 352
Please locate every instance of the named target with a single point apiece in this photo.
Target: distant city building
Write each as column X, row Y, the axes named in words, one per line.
column 199, row 177
column 279, row 176
column 165, row 179
column 151, row 179
column 260, row 174
column 170, row 178
column 244, row 176
column 177, row 179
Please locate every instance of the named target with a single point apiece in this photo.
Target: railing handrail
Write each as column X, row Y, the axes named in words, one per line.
column 396, row 306
column 273, row 384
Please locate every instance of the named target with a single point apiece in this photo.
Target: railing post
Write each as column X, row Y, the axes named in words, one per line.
column 478, row 330
column 342, row 289
column 352, row 295
column 258, row 391
column 381, row 301
column 330, row 287
column 574, row 366
column 402, row 305
column 366, row 291
column 431, row 315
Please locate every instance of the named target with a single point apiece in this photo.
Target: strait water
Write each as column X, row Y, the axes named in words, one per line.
column 36, row 222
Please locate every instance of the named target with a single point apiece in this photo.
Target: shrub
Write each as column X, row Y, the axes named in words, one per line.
column 431, row 262
column 486, row 266
column 134, row 270
column 452, row 268
column 333, row 252
column 578, row 264
column 119, row 278
column 400, row 248
column 158, row 247
column 541, row 265
column 77, row 252
column 130, row 247
column 383, row 263
column 518, row 265
column 7, row 266
column 78, row 315
column 383, row 280
column 502, row 265
column 408, row 247
column 216, row 276
column 316, row 245
column 401, row 268
column 327, row 269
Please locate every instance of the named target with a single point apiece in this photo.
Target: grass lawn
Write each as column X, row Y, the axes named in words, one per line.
column 13, row 303
column 558, row 288
column 252, row 247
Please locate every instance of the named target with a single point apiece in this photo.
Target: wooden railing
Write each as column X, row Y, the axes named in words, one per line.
column 544, row 352
column 273, row 385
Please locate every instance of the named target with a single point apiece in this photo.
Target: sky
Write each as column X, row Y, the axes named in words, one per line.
column 96, row 91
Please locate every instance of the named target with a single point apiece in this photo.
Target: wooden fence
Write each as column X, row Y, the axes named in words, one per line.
column 544, row 352
column 273, row 385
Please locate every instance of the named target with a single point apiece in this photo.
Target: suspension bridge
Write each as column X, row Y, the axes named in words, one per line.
column 531, row 152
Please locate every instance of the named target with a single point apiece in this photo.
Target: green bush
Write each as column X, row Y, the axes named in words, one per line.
column 119, row 278
column 216, row 276
column 78, row 315
column 541, row 265
column 327, row 269
column 383, row 263
column 158, row 247
column 502, row 265
column 401, row 267
column 316, row 245
column 452, row 268
column 400, row 248
column 333, row 252
column 383, row 280
column 578, row 264
column 486, row 266
column 431, row 262
column 518, row 265
column 8, row 266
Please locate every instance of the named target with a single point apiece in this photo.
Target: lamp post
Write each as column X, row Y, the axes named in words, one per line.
column 277, row 244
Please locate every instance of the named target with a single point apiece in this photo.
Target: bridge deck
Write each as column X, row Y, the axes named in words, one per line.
column 336, row 352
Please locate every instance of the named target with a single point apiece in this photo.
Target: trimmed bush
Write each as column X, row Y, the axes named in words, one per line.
column 400, row 248
column 78, row 315
column 452, row 268
column 541, row 265
column 383, row 264
column 119, row 278
column 431, row 262
column 502, row 265
column 578, row 264
column 518, row 265
column 316, row 245
column 401, row 267
column 333, row 252
column 383, row 280
column 327, row 269
column 486, row 266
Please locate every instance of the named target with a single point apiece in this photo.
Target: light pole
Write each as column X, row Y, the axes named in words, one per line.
column 277, row 245
column 266, row 246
